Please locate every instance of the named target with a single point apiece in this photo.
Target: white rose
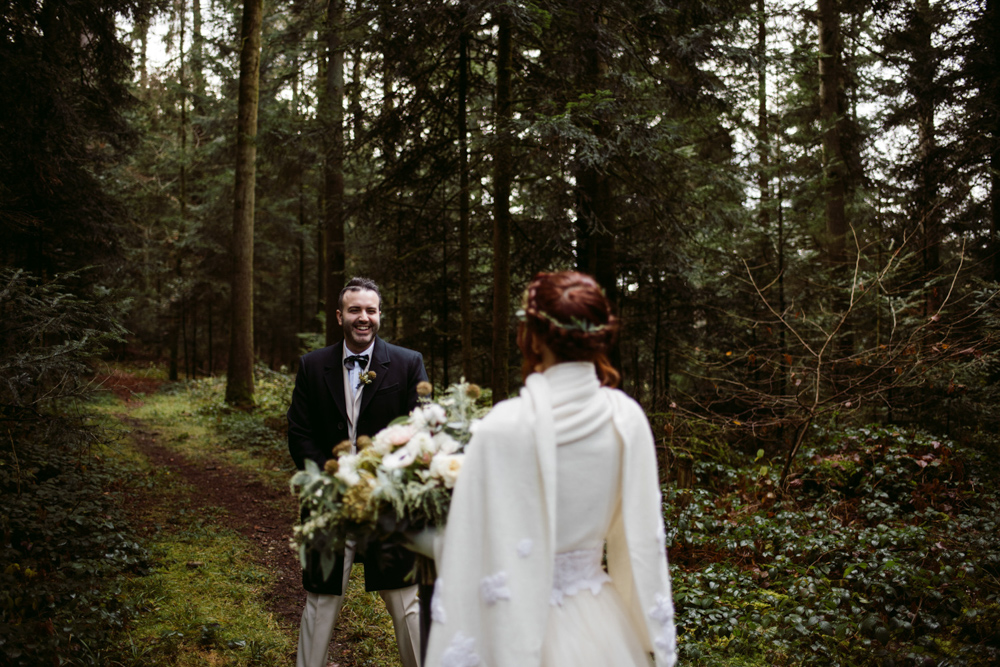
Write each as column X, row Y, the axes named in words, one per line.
column 435, row 414
column 347, row 469
column 423, row 443
column 400, row 458
column 446, row 468
column 418, row 420
column 446, row 444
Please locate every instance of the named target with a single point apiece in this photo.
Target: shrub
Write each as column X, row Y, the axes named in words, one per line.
column 63, row 540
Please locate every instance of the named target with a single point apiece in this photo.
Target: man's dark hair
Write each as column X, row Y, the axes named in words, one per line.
column 358, row 284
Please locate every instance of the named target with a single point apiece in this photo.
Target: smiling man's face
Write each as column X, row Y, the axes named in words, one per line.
column 359, row 318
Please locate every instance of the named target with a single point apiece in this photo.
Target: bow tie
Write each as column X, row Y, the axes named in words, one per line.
column 361, row 359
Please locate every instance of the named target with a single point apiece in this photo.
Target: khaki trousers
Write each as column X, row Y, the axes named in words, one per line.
column 320, row 616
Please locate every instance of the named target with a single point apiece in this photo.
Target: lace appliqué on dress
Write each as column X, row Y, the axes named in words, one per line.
column 524, row 547
column 663, row 613
column 494, row 588
column 460, row 652
column 437, row 606
column 575, row 571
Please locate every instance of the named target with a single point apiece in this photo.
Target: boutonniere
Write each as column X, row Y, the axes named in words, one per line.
column 366, row 378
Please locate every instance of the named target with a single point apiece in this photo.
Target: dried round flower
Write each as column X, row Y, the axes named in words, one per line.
column 331, row 466
column 364, row 442
column 474, row 391
column 343, row 448
column 425, row 388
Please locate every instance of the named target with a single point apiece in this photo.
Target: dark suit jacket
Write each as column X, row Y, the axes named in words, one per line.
column 317, row 422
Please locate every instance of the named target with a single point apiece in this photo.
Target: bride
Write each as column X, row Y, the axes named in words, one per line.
column 551, row 479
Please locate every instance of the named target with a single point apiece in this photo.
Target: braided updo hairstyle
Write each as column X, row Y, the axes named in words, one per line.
column 568, row 311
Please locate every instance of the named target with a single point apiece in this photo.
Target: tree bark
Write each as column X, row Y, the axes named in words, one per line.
column 928, row 175
column 830, row 87
column 763, row 134
column 503, row 177
column 334, row 166
column 993, row 93
column 594, row 215
column 239, row 380
column 464, row 280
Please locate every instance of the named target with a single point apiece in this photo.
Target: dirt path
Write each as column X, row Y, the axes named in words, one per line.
column 261, row 513
column 251, row 507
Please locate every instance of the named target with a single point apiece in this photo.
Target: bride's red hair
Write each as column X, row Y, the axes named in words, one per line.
column 568, row 311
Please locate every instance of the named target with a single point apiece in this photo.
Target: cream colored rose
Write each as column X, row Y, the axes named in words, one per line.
column 446, row 468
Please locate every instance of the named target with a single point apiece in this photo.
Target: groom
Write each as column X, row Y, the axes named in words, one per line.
column 341, row 392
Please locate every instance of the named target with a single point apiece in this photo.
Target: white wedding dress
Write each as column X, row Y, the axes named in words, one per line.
column 588, row 623
column 551, row 478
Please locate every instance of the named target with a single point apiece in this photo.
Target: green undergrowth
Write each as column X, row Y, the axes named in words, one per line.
column 202, row 602
column 182, row 619
column 201, row 599
column 884, row 550
column 259, row 434
column 257, row 440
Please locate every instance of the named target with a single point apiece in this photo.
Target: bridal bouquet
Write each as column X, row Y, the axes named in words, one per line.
column 399, row 481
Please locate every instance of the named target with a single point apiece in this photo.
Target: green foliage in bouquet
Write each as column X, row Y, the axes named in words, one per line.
column 398, row 481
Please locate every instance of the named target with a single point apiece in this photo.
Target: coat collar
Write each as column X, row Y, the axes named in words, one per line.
column 334, row 374
column 380, row 365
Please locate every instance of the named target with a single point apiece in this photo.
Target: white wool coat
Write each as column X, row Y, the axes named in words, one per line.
column 491, row 602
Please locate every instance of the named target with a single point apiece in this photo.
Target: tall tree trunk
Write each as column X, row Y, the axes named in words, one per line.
column 594, row 215
column 194, row 338
column 503, row 177
column 464, row 280
column 831, row 115
column 993, row 93
column 141, row 32
column 197, row 58
column 444, row 326
column 333, row 138
column 239, row 380
column 211, row 339
column 300, row 295
column 923, row 70
column 174, row 333
column 763, row 134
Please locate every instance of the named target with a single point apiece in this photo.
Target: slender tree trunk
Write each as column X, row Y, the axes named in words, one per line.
column 334, row 165
column 194, row 338
column 464, row 279
column 835, row 167
column 595, row 219
column 174, row 334
column 239, row 381
column 141, row 32
column 184, row 340
column 763, row 134
column 300, row 296
column 211, row 339
column 595, row 215
column 445, row 311
column 503, row 177
column 197, row 58
column 923, row 70
column 322, row 64
column 993, row 93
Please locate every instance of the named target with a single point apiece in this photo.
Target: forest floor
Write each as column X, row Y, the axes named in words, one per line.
column 258, row 507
